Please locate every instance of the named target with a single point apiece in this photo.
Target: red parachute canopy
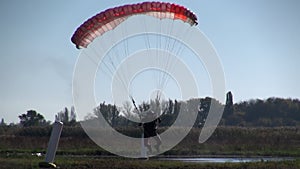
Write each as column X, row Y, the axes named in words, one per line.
column 110, row 18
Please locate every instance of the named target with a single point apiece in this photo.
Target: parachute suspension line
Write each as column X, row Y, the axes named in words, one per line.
column 164, row 42
column 168, row 62
column 148, row 44
column 180, row 49
column 89, row 56
column 176, row 49
column 163, row 78
column 157, row 60
column 147, row 41
column 126, row 54
column 159, row 55
column 160, row 61
column 168, row 47
column 109, row 65
column 121, row 74
column 96, row 53
column 111, row 70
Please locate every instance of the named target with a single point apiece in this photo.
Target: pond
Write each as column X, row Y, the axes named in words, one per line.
column 228, row 159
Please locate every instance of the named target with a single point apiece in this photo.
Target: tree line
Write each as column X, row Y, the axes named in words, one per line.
column 271, row 112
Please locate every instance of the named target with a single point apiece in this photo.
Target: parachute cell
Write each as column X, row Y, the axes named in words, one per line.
column 111, row 18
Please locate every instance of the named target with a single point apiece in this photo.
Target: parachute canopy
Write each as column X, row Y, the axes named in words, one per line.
column 111, row 18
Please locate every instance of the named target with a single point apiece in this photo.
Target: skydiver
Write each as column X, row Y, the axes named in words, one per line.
column 150, row 130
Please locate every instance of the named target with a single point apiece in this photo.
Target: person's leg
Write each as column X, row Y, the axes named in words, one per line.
column 147, row 144
column 158, row 142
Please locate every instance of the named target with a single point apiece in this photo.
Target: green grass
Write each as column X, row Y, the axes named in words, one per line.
column 28, row 162
column 284, row 141
column 17, row 146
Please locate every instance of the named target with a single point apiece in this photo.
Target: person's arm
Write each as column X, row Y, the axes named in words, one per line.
column 159, row 120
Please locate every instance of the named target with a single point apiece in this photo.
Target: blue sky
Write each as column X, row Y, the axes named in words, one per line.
column 257, row 42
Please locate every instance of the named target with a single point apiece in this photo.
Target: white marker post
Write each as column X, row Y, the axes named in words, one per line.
column 52, row 146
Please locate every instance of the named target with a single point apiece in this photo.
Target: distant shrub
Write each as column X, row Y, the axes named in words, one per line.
column 36, row 131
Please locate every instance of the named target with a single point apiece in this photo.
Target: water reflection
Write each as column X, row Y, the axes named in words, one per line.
column 229, row 159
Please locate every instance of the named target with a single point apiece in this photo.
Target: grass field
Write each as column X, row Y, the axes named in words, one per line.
column 121, row 163
column 76, row 150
